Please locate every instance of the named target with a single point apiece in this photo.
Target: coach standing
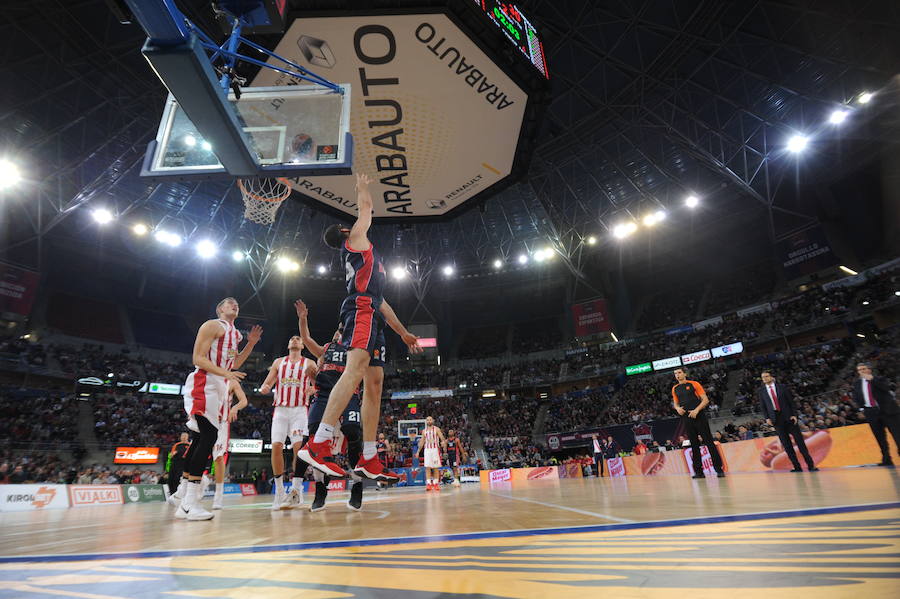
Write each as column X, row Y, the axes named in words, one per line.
column 690, row 400
column 777, row 404
column 598, row 455
column 873, row 394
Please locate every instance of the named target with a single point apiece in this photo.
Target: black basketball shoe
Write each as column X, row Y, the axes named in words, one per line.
column 318, row 503
column 355, row 501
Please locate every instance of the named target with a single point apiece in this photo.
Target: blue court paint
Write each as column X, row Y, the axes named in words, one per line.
column 842, row 509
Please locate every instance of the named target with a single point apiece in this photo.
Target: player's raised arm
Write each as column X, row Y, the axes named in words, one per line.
column 390, row 317
column 208, row 333
column 270, row 378
column 308, row 342
column 359, row 233
column 253, row 338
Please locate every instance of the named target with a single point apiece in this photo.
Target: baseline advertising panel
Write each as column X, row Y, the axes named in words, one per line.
column 143, row 493
column 89, row 495
column 20, row 498
column 136, row 455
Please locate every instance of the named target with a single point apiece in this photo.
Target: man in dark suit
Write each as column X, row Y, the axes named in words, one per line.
column 777, row 404
column 873, row 394
column 598, row 454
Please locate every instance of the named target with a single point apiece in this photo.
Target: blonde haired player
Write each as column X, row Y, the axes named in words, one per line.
column 432, row 442
column 205, row 390
column 220, row 449
column 290, row 378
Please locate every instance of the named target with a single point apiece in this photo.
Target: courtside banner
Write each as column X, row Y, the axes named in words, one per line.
column 333, row 485
column 410, row 477
column 245, row 445
column 143, row 493
column 590, row 317
column 248, row 489
column 667, row 363
column 88, row 495
column 697, row 356
column 20, row 498
column 136, row 455
column 519, row 475
column 727, row 350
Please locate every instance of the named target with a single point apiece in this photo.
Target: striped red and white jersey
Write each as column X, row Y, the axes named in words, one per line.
column 224, row 350
column 430, row 438
column 290, row 385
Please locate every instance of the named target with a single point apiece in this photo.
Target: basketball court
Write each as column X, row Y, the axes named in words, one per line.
column 826, row 534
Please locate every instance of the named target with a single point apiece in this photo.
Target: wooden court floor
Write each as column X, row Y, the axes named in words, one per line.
column 827, row 534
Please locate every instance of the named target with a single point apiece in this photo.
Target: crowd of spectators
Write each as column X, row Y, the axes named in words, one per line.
column 140, row 419
column 505, row 418
column 484, row 342
column 536, row 336
column 740, row 288
column 21, row 351
column 37, row 417
column 36, row 467
column 513, row 452
column 671, row 307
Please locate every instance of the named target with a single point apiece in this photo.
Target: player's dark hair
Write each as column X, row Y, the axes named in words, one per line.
column 334, row 236
column 682, row 369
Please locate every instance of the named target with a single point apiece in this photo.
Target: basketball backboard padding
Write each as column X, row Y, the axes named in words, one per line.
column 257, row 16
column 188, row 74
column 292, row 131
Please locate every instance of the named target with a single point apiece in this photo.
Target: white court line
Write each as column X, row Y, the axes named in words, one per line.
column 564, row 507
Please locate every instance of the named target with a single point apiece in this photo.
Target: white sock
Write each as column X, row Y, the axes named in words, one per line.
column 182, row 487
column 297, row 483
column 191, row 495
column 220, row 490
column 325, row 432
column 369, row 450
column 279, row 485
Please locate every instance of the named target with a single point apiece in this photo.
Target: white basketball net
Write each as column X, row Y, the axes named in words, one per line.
column 262, row 197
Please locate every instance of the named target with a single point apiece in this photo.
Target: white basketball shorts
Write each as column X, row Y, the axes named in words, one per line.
column 204, row 395
column 432, row 457
column 289, row 422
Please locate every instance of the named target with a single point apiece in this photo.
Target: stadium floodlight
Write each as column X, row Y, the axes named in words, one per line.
column 865, row 97
column 206, row 249
column 102, row 216
column 523, row 259
column 9, row 174
column 190, row 141
column 838, row 116
column 168, row 238
column 139, row 229
column 286, row 264
column 797, row 143
column 848, row 270
column 623, row 230
column 539, row 256
column 591, row 240
column 653, row 218
column 692, row 201
column 322, row 269
column 398, row 272
column 206, row 146
column 448, row 271
column 498, row 263
column 897, row 293
column 238, row 256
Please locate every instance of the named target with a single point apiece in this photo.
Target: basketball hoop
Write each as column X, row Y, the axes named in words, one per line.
column 262, row 197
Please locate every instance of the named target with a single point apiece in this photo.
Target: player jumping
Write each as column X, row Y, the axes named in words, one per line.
column 363, row 314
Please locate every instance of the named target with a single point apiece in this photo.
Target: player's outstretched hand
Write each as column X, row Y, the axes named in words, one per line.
column 412, row 342
column 265, row 389
column 235, row 377
column 362, row 181
column 300, row 307
column 255, row 334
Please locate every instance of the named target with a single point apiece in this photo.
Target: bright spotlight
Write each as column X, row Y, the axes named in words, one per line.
column 9, row 174
column 190, row 141
column 660, row 215
column 691, row 201
column 238, row 256
column 523, row 259
column 591, row 240
column 206, row 249
column 865, row 97
column 285, row 264
column 548, row 254
column 897, row 293
column 140, row 229
column 206, row 146
column 398, row 272
column 498, row 263
column 797, row 143
column 322, row 270
column 448, row 271
column 848, row 270
column 623, row 230
column 838, row 116
column 539, row 256
column 102, row 216
column 650, row 220
column 170, row 239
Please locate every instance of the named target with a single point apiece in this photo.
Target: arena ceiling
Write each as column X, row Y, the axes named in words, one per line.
column 652, row 101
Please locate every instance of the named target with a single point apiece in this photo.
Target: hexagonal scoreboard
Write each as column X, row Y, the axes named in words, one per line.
column 446, row 101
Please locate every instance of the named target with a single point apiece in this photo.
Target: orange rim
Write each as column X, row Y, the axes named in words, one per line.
column 247, row 193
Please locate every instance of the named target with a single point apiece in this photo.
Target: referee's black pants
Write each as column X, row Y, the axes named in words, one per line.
column 598, row 463
column 696, row 428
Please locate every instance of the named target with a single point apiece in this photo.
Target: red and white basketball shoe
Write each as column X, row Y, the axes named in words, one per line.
column 373, row 469
column 318, row 455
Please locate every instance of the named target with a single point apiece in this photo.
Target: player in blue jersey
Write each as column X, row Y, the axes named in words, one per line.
column 363, row 315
